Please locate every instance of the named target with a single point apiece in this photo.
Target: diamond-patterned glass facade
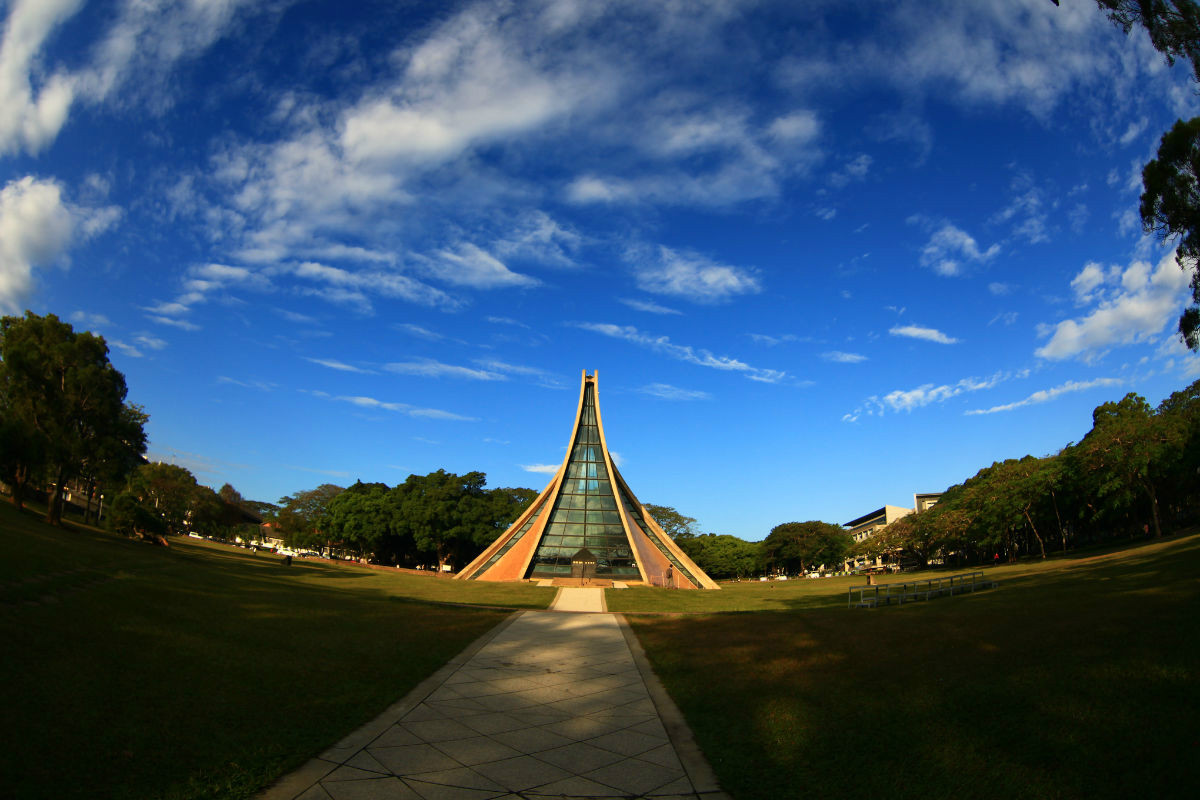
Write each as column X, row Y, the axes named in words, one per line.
column 585, row 511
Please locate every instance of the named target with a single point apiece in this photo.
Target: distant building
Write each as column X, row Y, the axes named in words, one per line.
column 868, row 525
column 924, row 502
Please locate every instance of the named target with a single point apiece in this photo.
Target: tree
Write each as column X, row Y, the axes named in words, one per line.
column 796, row 546
column 360, row 519
column 168, row 490
column 115, row 456
column 1170, row 206
column 230, row 495
column 19, row 455
column 1128, row 449
column 301, row 513
column 59, row 386
column 128, row 516
column 447, row 515
column 673, row 523
column 723, row 555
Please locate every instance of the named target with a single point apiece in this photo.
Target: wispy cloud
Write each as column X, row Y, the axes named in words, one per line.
column 469, row 265
column 419, row 332
column 949, row 246
column 90, row 321
column 182, row 324
column 340, row 365
column 405, row 408
column 544, row 469
column 262, row 386
column 661, row 270
column 839, row 357
column 919, row 332
column 649, row 306
column 927, row 394
column 1046, row 395
column 663, row 344
column 772, row 341
column 429, row 368
column 669, row 392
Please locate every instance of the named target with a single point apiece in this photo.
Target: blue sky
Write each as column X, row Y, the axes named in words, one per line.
column 824, row 255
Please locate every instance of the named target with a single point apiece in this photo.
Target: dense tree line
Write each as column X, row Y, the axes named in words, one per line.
column 439, row 518
column 1136, row 473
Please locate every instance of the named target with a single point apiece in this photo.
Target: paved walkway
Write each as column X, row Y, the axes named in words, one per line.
column 579, row 599
column 547, row 705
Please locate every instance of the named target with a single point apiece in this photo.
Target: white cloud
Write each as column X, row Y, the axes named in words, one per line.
column 434, row 369
column 838, row 357
column 909, row 399
column 669, row 392
column 649, row 306
column 538, row 237
column 689, row 275
column 772, row 341
column 1047, row 395
column 1134, row 130
column 345, row 286
column 90, row 320
column 855, row 169
column 544, row 469
column 406, row 409
column 1130, row 305
column 37, row 228
column 948, row 246
column 127, row 349
column 703, row 358
column 419, row 332
column 799, row 127
column 1000, row 289
column 471, row 266
column 920, row 332
column 339, row 365
column 31, row 117
column 182, row 324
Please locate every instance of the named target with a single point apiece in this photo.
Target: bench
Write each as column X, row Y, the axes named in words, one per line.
column 872, row 596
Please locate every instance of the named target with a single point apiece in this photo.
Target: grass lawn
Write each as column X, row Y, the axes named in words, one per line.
column 133, row 671
column 1077, row 678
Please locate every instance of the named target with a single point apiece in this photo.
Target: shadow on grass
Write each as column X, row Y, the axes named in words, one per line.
column 1075, row 682
column 190, row 672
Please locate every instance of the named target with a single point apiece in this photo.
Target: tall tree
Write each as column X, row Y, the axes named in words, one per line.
column 1171, row 207
column 673, row 523
column 61, row 387
column 1128, row 449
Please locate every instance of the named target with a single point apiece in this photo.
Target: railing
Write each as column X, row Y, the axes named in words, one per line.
column 887, row 593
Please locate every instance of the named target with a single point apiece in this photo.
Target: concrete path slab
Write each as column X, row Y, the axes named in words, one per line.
column 549, row 705
column 579, row 599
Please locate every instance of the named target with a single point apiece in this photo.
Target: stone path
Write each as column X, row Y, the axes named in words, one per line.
column 549, row 705
column 579, row 599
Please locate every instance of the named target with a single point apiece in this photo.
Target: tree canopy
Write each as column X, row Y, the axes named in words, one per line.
column 63, row 406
